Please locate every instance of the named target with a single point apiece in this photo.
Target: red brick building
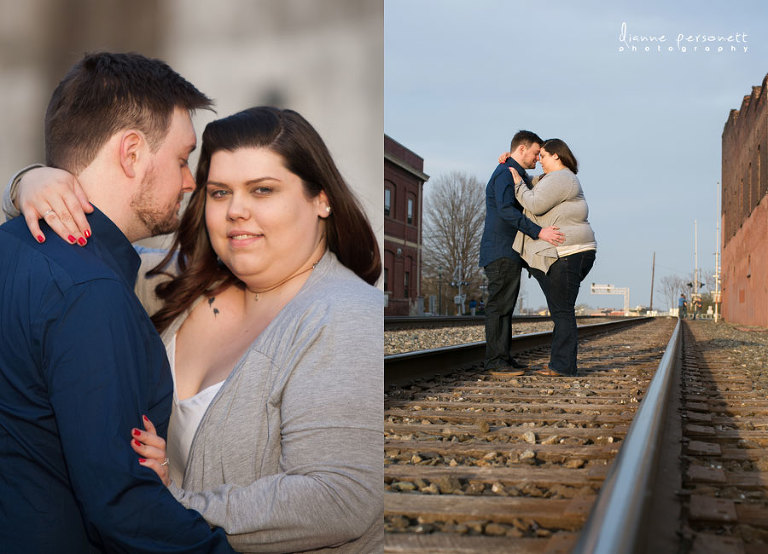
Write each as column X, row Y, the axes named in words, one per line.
column 744, row 211
column 404, row 179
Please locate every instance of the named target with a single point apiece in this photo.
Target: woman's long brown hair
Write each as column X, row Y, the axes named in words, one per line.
column 348, row 232
column 558, row 146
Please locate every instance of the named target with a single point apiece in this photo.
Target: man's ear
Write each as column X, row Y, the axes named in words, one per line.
column 131, row 151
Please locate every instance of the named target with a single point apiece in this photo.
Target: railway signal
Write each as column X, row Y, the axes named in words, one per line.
column 610, row 289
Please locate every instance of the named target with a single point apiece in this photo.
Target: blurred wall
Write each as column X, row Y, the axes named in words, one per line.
column 323, row 58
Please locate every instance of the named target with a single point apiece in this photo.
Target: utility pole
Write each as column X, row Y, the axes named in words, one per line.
column 716, row 298
column 439, row 290
column 653, row 274
column 695, row 257
column 458, row 282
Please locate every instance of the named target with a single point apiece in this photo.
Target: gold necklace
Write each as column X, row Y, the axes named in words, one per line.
column 262, row 291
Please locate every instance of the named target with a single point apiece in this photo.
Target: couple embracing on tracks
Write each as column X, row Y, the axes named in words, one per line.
column 540, row 224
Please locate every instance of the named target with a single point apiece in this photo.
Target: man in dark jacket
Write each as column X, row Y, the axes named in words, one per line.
column 80, row 361
column 502, row 265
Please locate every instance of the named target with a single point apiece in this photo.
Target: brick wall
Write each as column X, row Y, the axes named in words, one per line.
column 744, row 210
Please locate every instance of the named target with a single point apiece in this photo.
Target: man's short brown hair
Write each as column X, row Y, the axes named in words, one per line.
column 524, row 137
column 104, row 93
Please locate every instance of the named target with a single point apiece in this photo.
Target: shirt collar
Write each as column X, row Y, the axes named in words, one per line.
column 512, row 163
column 113, row 246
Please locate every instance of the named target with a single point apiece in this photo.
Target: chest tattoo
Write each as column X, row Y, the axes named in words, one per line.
column 210, row 305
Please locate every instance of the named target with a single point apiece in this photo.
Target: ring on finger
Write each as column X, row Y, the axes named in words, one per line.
column 165, row 463
column 51, row 211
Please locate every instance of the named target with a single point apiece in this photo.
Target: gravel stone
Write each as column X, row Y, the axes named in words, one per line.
column 404, row 486
column 495, row 529
column 408, row 340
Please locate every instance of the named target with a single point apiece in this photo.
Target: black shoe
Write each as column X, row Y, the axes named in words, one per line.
column 517, row 365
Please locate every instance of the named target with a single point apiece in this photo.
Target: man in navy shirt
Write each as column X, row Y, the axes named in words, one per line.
column 502, row 264
column 80, row 361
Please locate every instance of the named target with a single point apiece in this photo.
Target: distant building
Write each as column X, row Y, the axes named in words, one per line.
column 404, row 179
column 745, row 211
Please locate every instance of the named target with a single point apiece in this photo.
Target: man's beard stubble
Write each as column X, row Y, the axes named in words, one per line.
column 157, row 220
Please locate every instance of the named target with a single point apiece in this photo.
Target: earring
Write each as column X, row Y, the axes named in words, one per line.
column 328, row 209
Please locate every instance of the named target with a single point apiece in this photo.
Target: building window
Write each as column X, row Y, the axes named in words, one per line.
column 387, row 201
column 410, row 212
column 386, row 279
column 406, row 283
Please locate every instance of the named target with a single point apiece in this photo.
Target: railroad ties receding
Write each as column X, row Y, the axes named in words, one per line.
column 480, row 463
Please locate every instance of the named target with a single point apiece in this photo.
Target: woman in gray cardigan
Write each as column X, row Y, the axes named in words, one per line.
column 273, row 302
column 557, row 199
column 274, row 336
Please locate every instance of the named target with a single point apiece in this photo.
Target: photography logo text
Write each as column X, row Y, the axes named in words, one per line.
column 682, row 42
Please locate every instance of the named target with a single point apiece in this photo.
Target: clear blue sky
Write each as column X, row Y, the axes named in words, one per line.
column 462, row 77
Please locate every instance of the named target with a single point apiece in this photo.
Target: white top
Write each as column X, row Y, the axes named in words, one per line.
column 185, row 417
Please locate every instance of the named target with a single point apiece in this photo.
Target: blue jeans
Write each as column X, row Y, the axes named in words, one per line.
column 560, row 285
column 503, row 286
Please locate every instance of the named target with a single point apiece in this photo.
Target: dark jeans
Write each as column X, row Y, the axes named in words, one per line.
column 503, row 286
column 561, row 286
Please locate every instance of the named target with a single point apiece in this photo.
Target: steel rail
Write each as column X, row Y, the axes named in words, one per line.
column 400, row 368
column 617, row 516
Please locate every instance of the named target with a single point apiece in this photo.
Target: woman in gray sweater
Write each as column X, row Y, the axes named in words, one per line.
column 558, row 200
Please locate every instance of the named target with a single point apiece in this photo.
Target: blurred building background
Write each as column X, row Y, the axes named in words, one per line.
column 322, row 58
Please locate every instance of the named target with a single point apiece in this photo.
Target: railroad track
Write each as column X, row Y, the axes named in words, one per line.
column 724, row 463
column 392, row 323
column 400, row 368
column 476, row 462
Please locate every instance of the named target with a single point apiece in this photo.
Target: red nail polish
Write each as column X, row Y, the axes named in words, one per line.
column 142, row 460
column 136, row 432
column 145, row 418
column 87, row 233
column 71, row 239
column 81, row 241
column 40, row 238
column 137, row 443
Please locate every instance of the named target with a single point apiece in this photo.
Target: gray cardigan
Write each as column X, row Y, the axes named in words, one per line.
column 557, row 199
column 288, row 455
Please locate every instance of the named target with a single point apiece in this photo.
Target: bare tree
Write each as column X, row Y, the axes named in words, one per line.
column 707, row 276
column 671, row 287
column 454, row 212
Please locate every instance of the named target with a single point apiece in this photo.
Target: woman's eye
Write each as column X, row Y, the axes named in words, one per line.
column 217, row 193
column 262, row 190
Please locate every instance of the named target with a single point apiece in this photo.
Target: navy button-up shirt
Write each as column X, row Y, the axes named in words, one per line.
column 80, row 362
column 504, row 215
